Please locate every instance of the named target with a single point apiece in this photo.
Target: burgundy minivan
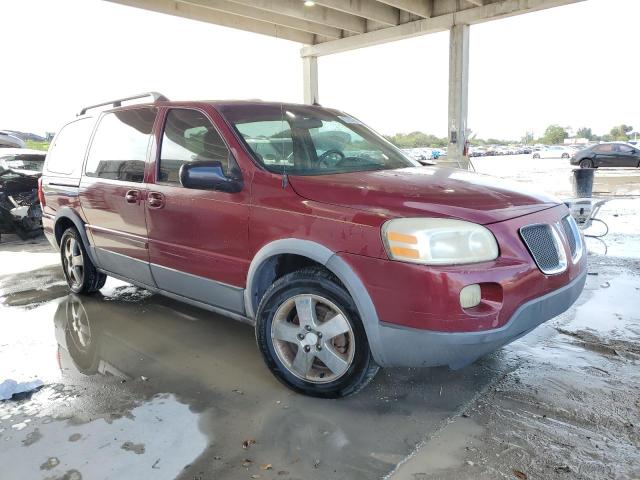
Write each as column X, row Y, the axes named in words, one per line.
column 344, row 253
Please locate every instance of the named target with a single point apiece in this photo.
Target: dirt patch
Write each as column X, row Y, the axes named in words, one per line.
column 50, row 464
column 32, row 438
column 137, row 448
column 612, row 347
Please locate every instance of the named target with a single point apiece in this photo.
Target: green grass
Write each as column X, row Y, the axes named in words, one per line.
column 37, row 145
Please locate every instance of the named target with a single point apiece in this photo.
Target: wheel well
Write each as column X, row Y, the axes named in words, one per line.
column 276, row 267
column 61, row 227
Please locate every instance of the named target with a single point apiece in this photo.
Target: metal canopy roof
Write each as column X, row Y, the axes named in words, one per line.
column 331, row 26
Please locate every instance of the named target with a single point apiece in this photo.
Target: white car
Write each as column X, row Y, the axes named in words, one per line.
column 554, row 151
column 9, row 140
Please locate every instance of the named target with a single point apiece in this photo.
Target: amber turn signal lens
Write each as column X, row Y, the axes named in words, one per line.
column 402, row 238
column 405, row 252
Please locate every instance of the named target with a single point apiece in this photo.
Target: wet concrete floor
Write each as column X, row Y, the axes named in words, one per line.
column 129, row 368
column 137, row 385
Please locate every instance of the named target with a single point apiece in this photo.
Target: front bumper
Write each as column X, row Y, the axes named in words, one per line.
column 410, row 347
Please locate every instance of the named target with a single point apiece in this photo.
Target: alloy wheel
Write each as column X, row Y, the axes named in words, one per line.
column 313, row 338
column 73, row 262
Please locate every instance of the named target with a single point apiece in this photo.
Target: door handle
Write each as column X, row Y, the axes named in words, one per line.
column 155, row 200
column 132, row 196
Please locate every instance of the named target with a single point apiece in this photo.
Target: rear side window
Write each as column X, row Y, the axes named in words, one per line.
column 67, row 151
column 625, row 149
column 119, row 147
column 604, row 148
column 189, row 136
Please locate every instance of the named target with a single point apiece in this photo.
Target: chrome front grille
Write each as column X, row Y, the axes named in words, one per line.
column 544, row 244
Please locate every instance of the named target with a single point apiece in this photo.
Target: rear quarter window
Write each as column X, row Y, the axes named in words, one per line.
column 66, row 153
column 120, row 145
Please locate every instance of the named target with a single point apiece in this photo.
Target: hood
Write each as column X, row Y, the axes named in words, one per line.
column 425, row 191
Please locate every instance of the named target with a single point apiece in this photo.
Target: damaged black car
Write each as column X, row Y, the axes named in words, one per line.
column 20, row 211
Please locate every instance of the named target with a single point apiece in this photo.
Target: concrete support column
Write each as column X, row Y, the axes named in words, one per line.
column 458, row 94
column 310, row 79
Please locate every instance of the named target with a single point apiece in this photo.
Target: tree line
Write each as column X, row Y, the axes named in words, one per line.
column 553, row 135
column 557, row 134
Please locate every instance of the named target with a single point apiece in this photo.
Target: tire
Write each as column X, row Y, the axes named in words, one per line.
column 295, row 354
column 536, row 156
column 565, row 155
column 79, row 271
column 586, row 163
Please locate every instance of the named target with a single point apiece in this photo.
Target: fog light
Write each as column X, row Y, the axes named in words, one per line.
column 470, row 296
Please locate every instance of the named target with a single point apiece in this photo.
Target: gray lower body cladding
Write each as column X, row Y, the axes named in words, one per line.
column 408, row 347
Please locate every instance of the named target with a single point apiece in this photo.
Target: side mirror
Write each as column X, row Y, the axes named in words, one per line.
column 208, row 175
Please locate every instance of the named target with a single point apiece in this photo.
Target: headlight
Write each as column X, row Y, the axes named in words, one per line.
column 438, row 241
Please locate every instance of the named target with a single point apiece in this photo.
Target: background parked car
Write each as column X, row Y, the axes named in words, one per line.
column 20, row 211
column 614, row 154
column 22, row 160
column 8, row 139
column 554, row 151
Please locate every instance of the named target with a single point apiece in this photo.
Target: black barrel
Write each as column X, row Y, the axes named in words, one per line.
column 583, row 182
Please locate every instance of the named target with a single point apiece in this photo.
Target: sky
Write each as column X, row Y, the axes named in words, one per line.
column 576, row 65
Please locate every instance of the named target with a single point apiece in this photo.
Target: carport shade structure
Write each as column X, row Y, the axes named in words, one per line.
column 333, row 26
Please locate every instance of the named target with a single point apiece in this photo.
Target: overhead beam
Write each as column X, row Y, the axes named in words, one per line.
column 316, row 14
column 247, row 11
column 479, row 3
column 470, row 16
column 390, row 34
column 201, row 14
column 369, row 9
column 506, row 8
column 422, row 8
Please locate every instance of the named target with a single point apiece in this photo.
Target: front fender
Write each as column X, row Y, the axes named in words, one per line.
column 335, row 264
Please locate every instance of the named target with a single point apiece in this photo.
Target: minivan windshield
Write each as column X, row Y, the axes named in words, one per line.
column 309, row 140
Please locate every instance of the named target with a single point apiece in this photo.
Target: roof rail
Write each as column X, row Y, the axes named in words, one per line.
column 157, row 97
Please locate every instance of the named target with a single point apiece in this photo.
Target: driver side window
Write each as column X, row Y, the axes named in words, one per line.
column 189, row 136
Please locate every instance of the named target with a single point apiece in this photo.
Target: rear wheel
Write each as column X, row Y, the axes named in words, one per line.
column 311, row 336
column 536, row 156
column 565, row 155
column 79, row 271
column 586, row 163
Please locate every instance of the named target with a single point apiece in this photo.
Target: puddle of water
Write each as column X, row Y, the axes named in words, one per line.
column 157, row 439
column 612, row 311
column 28, row 346
column 18, row 262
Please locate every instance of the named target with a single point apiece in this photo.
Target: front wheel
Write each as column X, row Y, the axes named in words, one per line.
column 79, row 271
column 586, row 163
column 565, row 155
column 311, row 336
column 536, row 156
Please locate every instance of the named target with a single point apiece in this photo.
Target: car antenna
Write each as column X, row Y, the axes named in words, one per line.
column 285, row 178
